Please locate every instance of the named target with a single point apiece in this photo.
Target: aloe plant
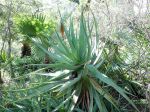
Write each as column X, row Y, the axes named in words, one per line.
column 77, row 80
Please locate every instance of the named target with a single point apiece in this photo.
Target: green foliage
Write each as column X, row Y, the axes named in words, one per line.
column 35, row 25
column 83, row 86
column 134, row 49
column 3, row 57
column 23, row 66
column 4, row 61
column 84, row 78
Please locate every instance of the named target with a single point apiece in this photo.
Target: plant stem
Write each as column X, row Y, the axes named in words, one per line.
column 1, row 80
column 9, row 36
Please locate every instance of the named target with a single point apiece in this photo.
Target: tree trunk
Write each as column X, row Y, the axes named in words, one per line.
column 148, row 96
column 9, row 36
column 9, row 56
column 25, row 50
column 1, row 80
column 47, row 61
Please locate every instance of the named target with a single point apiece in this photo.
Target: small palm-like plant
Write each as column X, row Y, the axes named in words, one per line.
column 33, row 27
column 77, row 80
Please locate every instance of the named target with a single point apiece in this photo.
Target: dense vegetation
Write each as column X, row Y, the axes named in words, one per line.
column 70, row 61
